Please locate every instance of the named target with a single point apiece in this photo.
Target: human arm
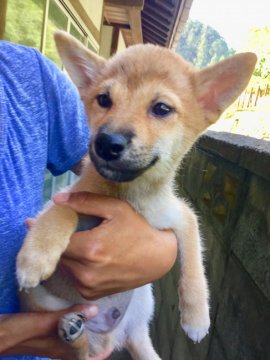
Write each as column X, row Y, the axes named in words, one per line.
column 36, row 333
column 123, row 252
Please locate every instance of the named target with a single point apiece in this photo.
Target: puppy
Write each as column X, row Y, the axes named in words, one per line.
column 146, row 108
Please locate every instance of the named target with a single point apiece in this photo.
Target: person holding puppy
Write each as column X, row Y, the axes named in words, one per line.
column 42, row 125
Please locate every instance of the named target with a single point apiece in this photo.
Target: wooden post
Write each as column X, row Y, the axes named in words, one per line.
column 134, row 14
column 115, row 37
column 257, row 96
column 244, row 99
column 238, row 103
column 3, row 11
column 249, row 104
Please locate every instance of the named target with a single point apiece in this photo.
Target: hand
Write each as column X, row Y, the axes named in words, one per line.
column 123, row 252
column 36, row 333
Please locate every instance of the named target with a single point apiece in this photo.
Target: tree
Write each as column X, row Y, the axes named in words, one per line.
column 202, row 45
column 257, row 40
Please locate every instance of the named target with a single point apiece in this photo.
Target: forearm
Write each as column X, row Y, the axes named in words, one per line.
column 42, row 347
column 36, row 333
column 167, row 243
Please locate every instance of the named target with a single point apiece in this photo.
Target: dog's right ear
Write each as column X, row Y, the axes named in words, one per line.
column 81, row 64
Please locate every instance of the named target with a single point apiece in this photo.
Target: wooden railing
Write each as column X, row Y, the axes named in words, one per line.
column 250, row 98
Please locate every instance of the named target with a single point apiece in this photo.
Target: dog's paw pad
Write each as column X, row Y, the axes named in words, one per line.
column 71, row 326
column 195, row 333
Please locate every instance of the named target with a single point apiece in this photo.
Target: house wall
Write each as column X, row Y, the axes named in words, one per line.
column 94, row 9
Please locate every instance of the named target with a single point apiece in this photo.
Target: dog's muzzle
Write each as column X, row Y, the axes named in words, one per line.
column 116, row 159
column 111, row 146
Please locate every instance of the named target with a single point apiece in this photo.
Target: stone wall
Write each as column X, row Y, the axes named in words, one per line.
column 226, row 178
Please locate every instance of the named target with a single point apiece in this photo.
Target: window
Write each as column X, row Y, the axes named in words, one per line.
column 33, row 23
column 57, row 20
column 76, row 33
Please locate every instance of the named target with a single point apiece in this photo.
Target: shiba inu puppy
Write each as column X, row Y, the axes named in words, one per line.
column 146, row 108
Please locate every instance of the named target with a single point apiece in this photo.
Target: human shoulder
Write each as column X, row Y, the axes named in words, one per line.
column 20, row 67
column 27, row 61
column 16, row 53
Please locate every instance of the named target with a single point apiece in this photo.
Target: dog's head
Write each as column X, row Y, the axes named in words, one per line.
column 146, row 105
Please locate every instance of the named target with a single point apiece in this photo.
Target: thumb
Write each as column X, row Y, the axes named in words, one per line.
column 51, row 318
column 89, row 311
column 29, row 222
column 25, row 326
column 88, row 203
column 102, row 356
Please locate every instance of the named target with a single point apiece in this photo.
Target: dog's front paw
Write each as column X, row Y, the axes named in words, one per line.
column 33, row 267
column 195, row 321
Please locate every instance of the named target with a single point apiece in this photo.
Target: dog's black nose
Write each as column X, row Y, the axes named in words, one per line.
column 110, row 146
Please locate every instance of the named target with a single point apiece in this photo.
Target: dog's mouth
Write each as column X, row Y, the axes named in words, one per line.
column 120, row 171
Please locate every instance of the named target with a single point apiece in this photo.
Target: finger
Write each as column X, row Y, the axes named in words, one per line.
column 32, row 325
column 87, row 245
column 102, row 356
column 94, row 283
column 50, row 319
column 73, row 268
column 29, row 222
column 49, row 347
column 88, row 203
column 81, row 276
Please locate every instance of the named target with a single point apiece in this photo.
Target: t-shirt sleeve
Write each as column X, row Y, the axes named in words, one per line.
column 68, row 133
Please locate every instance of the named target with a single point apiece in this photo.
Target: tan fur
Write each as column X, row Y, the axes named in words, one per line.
column 136, row 79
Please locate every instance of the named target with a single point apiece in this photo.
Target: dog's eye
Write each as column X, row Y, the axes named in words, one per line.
column 104, row 101
column 161, row 110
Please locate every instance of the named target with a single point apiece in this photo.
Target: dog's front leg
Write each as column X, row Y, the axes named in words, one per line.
column 44, row 245
column 193, row 288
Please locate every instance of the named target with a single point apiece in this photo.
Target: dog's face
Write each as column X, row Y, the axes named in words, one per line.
column 137, row 120
column 146, row 106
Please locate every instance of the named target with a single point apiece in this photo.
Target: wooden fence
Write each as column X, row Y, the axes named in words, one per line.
column 250, row 98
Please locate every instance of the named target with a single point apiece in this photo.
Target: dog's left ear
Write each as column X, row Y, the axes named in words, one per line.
column 219, row 85
column 81, row 64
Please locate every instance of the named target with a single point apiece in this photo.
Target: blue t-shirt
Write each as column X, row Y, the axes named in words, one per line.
column 42, row 125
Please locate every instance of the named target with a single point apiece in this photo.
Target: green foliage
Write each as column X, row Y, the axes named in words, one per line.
column 24, row 22
column 258, row 41
column 202, row 45
column 56, row 20
column 24, row 25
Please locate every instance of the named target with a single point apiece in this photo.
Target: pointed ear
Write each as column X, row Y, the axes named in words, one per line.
column 81, row 64
column 219, row 85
